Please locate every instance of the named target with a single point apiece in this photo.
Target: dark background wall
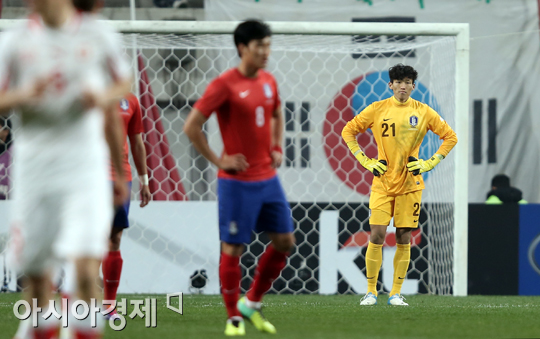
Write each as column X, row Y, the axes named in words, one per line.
column 493, row 249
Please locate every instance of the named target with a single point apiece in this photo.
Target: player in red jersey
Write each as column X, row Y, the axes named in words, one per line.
column 111, row 266
column 250, row 196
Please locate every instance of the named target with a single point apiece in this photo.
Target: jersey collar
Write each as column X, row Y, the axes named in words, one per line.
column 35, row 22
column 256, row 77
column 397, row 102
column 73, row 23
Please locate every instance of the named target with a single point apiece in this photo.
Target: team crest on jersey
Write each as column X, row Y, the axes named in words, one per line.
column 413, row 120
column 268, row 91
column 124, row 104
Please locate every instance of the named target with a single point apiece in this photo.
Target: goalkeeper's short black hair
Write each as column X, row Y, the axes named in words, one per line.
column 251, row 30
column 401, row 71
column 500, row 180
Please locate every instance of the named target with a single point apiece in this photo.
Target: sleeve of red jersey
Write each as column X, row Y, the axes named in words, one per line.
column 135, row 123
column 214, row 97
column 116, row 65
column 278, row 98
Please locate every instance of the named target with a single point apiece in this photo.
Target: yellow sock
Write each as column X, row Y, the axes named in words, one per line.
column 373, row 266
column 401, row 264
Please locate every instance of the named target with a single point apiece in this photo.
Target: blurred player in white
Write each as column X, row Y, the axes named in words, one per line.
column 130, row 111
column 59, row 70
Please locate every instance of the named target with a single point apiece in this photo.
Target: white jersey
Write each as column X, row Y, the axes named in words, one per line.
column 63, row 198
column 58, row 138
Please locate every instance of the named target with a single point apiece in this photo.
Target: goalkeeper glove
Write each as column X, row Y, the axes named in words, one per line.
column 372, row 165
column 421, row 166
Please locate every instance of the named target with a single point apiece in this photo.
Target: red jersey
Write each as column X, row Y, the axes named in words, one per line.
column 244, row 108
column 130, row 110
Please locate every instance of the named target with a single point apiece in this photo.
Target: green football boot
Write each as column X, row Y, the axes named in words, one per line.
column 255, row 317
column 235, row 327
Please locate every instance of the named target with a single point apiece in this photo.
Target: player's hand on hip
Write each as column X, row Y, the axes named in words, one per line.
column 373, row 165
column 120, row 192
column 233, row 163
column 145, row 195
column 39, row 88
column 423, row 166
column 91, row 99
column 277, row 159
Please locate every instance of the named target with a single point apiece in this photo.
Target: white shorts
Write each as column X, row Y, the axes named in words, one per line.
column 58, row 222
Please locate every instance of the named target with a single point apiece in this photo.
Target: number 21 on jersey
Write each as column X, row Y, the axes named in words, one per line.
column 386, row 128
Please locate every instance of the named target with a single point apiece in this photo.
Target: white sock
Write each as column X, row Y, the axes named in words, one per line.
column 85, row 325
column 24, row 330
column 253, row 304
column 49, row 323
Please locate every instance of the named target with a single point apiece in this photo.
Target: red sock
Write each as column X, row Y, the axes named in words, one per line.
column 88, row 334
column 46, row 333
column 112, row 269
column 268, row 269
column 230, row 275
column 66, row 296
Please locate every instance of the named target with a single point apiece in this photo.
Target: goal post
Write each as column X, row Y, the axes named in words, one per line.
column 316, row 64
column 462, row 162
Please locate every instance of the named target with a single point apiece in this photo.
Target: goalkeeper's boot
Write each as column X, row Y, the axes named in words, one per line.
column 397, row 300
column 235, row 327
column 368, row 300
column 255, row 316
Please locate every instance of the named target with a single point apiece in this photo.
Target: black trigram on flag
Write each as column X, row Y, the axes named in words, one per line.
column 295, row 123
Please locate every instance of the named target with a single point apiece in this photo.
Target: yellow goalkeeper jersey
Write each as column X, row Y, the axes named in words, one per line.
column 399, row 129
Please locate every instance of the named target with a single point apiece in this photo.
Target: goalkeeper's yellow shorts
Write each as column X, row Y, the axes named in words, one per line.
column 404, row 208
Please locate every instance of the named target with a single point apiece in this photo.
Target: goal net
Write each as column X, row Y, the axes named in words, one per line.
column 324, row 81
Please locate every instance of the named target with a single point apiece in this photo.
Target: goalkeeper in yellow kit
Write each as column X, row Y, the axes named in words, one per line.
column 399, row 125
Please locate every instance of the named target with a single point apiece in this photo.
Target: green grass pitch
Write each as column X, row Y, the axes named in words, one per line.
column 334, row 317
